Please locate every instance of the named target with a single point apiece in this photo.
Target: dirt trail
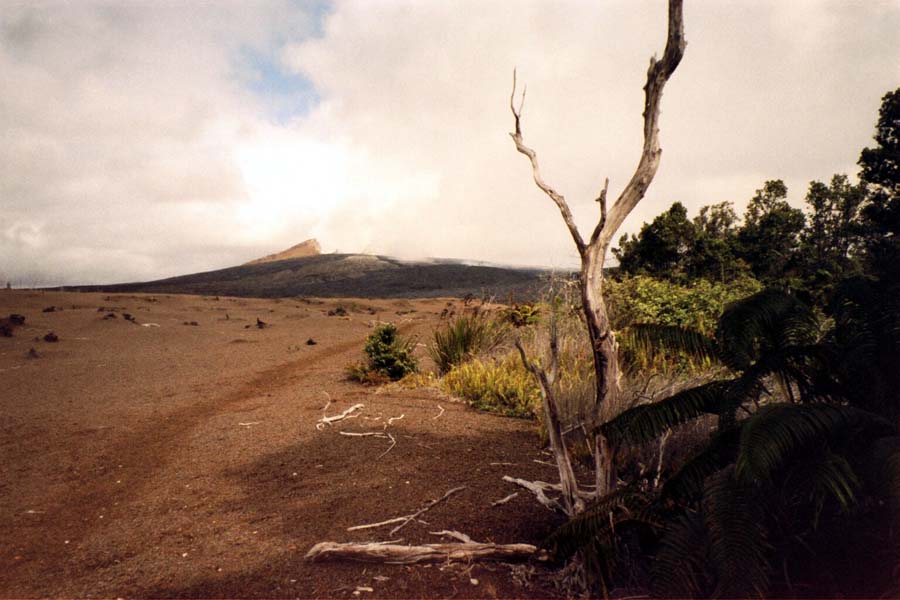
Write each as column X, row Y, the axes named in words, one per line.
column 183, row 461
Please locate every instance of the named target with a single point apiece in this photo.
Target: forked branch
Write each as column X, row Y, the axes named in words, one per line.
column 557, row 198
column 657, row 76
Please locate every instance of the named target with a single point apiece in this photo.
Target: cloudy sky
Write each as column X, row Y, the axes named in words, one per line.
column 143, row 139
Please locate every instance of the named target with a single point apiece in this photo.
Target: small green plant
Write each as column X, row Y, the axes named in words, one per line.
column 522, row 315
column 504, row 386
column 389, row 357
column 462, row 339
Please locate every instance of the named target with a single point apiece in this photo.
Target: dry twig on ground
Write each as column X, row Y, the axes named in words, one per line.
column 405, row 519
column 321, row 423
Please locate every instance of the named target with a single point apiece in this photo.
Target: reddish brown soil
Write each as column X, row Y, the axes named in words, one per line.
column 183, row 461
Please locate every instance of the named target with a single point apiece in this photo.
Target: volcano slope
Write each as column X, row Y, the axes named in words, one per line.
column 349, row 275
column 175, row 454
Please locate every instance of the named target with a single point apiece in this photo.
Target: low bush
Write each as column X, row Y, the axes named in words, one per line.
column 502, row 386
column 463, row 338
column 642, row 299
column 522, row 315
column 389, row 357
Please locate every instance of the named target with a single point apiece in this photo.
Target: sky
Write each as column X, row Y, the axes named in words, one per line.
column 145, row 139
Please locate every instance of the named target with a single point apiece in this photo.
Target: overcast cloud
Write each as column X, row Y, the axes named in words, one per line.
column 142, row 140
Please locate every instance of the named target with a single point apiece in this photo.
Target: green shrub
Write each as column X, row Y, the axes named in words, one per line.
column 462, row 339
column 521, row 315
column 503, row 386
column 389, row 356
column 698, row 306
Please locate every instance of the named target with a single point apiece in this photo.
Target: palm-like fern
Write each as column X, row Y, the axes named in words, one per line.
column 793, row 460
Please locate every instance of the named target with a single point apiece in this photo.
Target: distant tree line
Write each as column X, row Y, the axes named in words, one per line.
column 846, row 230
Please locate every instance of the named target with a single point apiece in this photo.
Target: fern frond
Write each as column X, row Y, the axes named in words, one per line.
column 598, row 521
column 744, row 324
column 649, row 421
column 821, row 474
column 686, row 484
column 738, row 547
column 771, row 436
column 680, row 568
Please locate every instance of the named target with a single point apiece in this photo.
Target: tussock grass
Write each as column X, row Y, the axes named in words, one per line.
column 463, row 338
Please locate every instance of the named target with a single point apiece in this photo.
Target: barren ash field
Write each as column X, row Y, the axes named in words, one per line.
column 176, row 454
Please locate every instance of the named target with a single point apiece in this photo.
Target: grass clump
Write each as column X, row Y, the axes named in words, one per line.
column 462, row 338
column 389, row 357
column 503, row 386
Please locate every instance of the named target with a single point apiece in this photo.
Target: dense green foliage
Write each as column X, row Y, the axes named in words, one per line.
column 795, row 489
column 389, row 355
column 696, row 304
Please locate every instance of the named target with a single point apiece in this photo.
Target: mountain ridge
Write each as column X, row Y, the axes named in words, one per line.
column 347, row 275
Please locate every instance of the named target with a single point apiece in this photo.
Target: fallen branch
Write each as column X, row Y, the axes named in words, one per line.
column 505, row 499
column 391, row 447
column 335, row 418
column 439, row 414
column 425, row 553
column 379, row 524
column 405, row 519
column 391, row 420
column 428, row 506
column 454, row 534
column 538, row 491
column 378, row 434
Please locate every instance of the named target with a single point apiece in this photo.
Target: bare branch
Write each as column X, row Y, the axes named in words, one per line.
column 554, row 348
column 557, row 198
column 572, row 504
column 506, row 499
column 455, row 535
column 657, row 76
column 601, row 199
column 347, row 414
column 428, row 506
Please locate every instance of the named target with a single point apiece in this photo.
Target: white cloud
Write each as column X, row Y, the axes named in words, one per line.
column 135, row 148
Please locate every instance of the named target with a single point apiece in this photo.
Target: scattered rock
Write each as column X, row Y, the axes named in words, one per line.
column 6, row 330
column 50, row 309
column 16, row 319
column 260, row 324
column 311, row 342
column 32, row 354
column 51, row 337
column 340, row 311
column 109, row 316
column 193, row 323
column 128, row 317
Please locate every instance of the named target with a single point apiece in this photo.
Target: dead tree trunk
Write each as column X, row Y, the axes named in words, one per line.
column 593, row 252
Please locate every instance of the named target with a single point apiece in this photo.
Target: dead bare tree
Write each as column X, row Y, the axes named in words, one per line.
column 603, row 342
column 593, row 254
